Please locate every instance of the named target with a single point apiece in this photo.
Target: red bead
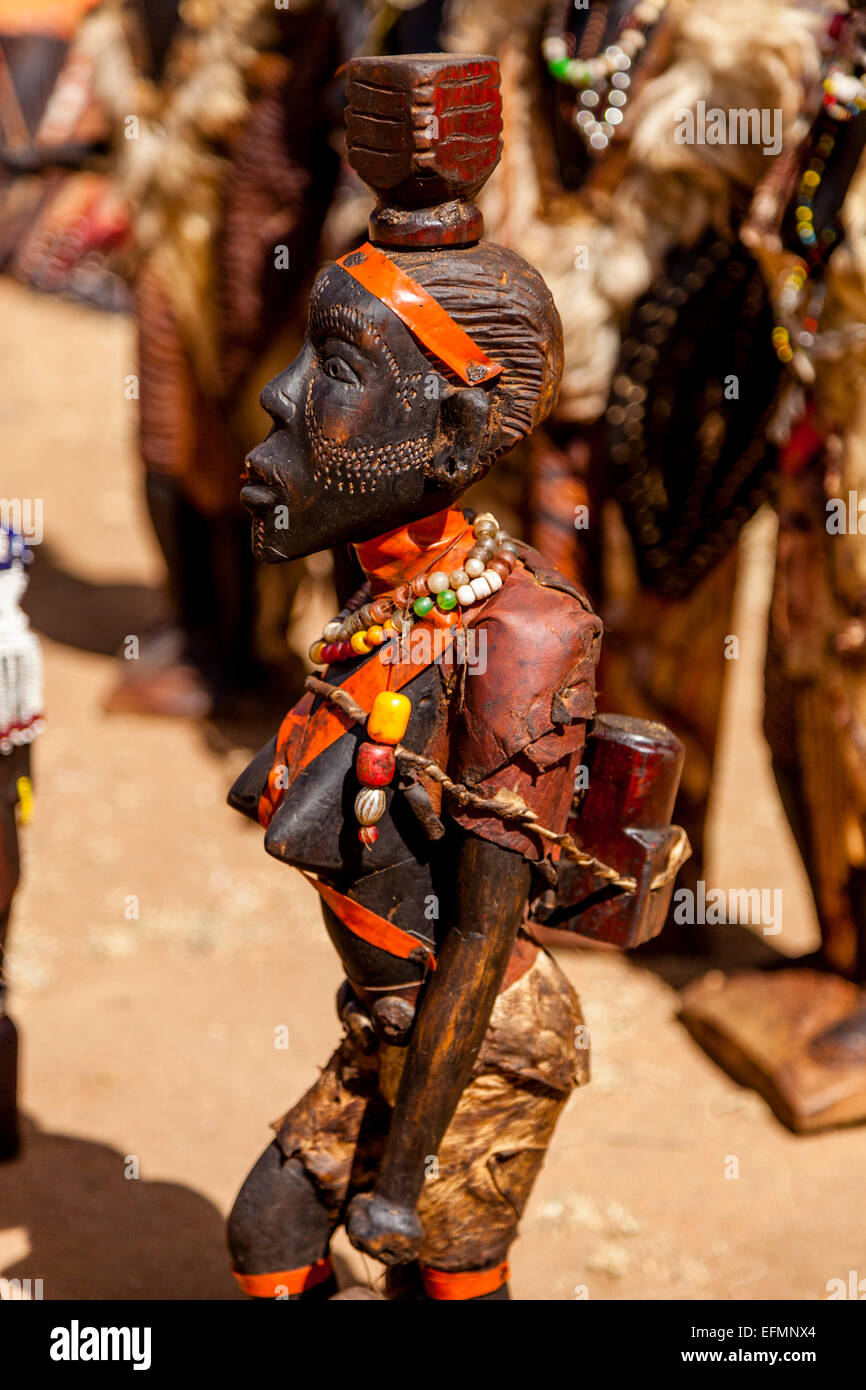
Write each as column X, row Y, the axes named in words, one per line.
column 344, row 651
column 368, row 834
column 329, row 652
column 375, row 765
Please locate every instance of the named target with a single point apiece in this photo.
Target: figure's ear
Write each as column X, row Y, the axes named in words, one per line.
column 464, row 416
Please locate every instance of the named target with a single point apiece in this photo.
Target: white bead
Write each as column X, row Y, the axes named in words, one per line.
column 465, row 595
column 474, row 568
column 370, row 805
column 437, row 582
column 480, row 588
column 331, row 631
column 493, row 579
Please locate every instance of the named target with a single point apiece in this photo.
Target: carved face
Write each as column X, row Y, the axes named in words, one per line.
column 367, row 435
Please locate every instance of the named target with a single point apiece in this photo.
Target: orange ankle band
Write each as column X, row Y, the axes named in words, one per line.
column 443, row 1284
column 285, row 1281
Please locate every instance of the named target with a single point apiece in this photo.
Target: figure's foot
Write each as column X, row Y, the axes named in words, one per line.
column 173, row 692
column 843, row 1043
column 357, row 1291
column 10, row 1139
column 796, row 1036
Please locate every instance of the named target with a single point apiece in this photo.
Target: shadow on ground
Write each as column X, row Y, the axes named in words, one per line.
column 95, row 1234
column 89, row 616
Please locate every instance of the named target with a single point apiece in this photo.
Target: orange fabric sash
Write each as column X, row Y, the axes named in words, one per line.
column 285, row 1280
column 431, row 324
column 400, row 554
column 304, row 734
column 370, row 927
column 444, row 1285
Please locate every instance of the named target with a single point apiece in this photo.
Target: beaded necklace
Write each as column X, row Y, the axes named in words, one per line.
column 801, row 289
column 363, row 625
column 605, row 78
column 439, row 594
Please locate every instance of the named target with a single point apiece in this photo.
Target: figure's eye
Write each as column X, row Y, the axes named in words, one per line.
column 339, row 369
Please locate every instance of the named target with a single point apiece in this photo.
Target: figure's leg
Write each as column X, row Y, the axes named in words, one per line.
column 283, row 1219
column 13, row 766
column 494, row 1148
column 279, row 1231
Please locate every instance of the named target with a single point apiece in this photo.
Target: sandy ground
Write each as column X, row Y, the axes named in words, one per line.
column 152, row 1036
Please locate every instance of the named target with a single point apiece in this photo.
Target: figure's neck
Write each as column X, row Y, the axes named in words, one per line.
column 399, row 555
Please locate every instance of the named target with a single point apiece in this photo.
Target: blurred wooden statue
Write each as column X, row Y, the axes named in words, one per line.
column 435, row 785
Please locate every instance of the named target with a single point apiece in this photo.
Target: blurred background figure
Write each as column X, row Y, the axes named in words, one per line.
column 220, row 150
column 59, row 221
column 20, row 722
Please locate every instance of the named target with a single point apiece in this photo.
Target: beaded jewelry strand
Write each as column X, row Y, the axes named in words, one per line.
column 361, row 625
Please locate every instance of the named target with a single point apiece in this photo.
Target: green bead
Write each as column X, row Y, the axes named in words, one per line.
column 422, row 606
column 558, row 67
column 446, row 600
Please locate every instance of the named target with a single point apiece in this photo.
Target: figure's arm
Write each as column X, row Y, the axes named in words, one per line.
column 492, row 884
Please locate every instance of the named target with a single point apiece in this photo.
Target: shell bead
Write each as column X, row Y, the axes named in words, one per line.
column 465, row 596
column 370, row 805
column 480, row 588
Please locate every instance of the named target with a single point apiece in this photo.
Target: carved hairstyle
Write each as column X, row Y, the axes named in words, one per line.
column 507, row 309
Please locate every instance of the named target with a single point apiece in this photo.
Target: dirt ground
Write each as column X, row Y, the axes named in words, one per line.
column 153, row 1037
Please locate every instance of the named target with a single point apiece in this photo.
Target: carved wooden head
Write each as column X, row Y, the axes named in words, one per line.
column 372, row 426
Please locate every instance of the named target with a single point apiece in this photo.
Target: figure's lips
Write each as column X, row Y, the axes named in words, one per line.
column 257, row 497
column 259, row 492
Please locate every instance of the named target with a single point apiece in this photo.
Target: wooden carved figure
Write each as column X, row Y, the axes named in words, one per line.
column 425, row 783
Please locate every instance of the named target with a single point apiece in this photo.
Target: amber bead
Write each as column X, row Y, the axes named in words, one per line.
column 499, row 567
column 402, row 595
column 389, row 717
column 317, row 653
column 379, row 610
column 359, row 643
column 375, row 635
column 419, row 585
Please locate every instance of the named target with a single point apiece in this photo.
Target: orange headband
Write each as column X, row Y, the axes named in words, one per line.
column 430, row 323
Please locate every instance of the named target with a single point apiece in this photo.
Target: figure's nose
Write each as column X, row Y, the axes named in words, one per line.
column 277, row 399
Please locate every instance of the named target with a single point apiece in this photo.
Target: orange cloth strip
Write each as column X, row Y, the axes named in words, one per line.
column 370, row 927
column 431, row 324
column 304, row 734
column 399, row 555
column 285, row 1280
column 443, row 1285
